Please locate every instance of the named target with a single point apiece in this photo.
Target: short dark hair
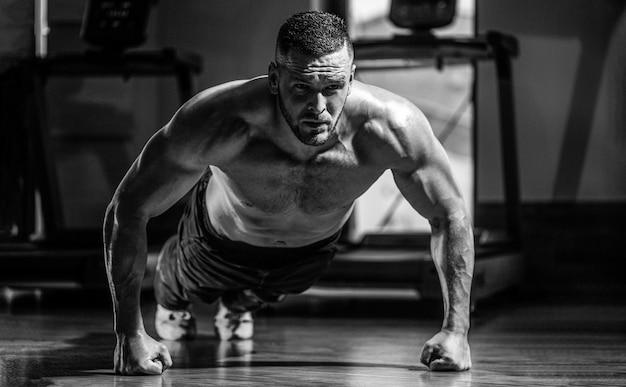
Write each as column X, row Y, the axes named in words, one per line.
column 314, row 33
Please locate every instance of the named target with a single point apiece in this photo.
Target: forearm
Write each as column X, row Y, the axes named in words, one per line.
column 452, row 248
column 125, row 260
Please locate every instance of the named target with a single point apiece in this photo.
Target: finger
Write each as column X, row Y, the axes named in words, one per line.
column 426, row 354
column 165, row 358
column 152, row 367
column 118, row 362
column 117, row 366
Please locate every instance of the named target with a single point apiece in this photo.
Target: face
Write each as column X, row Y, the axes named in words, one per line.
column 312, row 92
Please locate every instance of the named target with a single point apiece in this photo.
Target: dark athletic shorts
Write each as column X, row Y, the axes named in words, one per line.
column 200, row 265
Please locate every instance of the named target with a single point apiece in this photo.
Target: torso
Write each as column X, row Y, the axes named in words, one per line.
column 265, row 196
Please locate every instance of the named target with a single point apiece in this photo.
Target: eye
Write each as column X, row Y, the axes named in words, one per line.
column 334, row 88
column 301, row 86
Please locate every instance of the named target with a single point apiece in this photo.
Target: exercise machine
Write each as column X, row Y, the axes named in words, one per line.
column 400, row 265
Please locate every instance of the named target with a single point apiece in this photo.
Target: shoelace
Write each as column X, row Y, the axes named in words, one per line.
column 180, row 315
column 238, row 317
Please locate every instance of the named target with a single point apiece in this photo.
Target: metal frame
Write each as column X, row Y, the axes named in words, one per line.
column 419, row 51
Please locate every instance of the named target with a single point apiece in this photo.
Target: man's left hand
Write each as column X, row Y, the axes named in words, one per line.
column 447, row 351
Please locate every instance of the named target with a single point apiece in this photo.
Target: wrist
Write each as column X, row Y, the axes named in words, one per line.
column 456, row 325
column 456, row 331
column 129, row 333
column 127, row 318
column 129, row 328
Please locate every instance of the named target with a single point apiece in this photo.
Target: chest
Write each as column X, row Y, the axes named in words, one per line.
column 272, row 181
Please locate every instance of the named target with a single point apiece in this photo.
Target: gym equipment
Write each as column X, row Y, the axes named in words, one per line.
column 400, row 265
column 41, row 252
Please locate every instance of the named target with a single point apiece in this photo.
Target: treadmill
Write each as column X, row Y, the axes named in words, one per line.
column 400, row 265
column 38, row 250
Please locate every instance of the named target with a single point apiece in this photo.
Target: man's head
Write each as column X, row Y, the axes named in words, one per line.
column 312, row 74
column 312, row 33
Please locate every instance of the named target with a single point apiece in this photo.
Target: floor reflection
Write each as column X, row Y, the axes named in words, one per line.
column 207, row 351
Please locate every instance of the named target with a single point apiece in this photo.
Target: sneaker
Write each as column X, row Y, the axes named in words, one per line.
column 230, row 325
column 174, row 324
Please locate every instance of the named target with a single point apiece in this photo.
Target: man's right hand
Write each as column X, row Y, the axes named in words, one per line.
column 140, row 354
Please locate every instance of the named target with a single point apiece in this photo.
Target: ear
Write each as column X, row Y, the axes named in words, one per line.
column 351, row 78
column 272, row 78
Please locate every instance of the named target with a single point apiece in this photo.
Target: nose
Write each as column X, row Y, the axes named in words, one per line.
column 317, row 104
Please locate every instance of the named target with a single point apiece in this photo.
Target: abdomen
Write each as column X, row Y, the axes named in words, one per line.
column 239, row 218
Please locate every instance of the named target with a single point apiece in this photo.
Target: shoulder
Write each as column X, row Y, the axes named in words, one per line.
column 388, row 122
column 219, row 118
column 232, row 100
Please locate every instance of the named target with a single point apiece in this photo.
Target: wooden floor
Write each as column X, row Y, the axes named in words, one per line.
column 312, row 342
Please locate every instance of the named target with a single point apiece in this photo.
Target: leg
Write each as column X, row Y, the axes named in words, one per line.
column 191, row 268
column 202, row 276
column 234, row 318
column 247, row 300
column 173, row 319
